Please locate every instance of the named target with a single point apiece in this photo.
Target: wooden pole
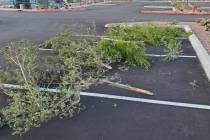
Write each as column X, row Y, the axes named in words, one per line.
column 128, row 87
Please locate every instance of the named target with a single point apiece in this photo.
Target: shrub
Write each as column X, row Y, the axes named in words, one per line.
column 207, row 25
column 198, row 20
column 128, row 42
column 181, row 5
column 150, row 34
column 26, row 4
column 202, row 21
column 129, row 52
column 43, row 3
column 173, row 50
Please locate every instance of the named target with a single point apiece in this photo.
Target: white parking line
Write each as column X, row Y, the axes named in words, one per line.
column 150, row 101
column 180, row 56
column 205, row 7
column 169, row 1
column 149, row 55
column 42, row 49
column 124, row 98
column 160, row 1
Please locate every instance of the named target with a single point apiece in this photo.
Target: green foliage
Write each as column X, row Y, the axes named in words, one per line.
column 150, row 34
column 129, row 42
column 26, row 4
column 204, row 22
column 200, row 9
column 173, row 50
column 23, row 56
column 74, row 65
column 207, row 25
column 81, row 59
column 30, row 107
column 70, row 33
column 198, row 20
column 173, row 21
column 43, row 3
column 181, row 5
column 131, row 52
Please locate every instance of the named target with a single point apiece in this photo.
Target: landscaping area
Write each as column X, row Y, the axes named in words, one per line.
column 108, row 79
column 179, row 7
column 48, row 5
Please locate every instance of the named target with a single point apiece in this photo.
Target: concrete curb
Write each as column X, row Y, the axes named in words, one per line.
column 200, row 50
column 159, row 7
column 173, row 13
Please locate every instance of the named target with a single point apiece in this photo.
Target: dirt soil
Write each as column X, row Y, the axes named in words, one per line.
column 204, row 36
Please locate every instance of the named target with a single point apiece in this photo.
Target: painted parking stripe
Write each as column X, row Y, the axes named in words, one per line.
column 150, row 101
column 108, row 37
column 160, row 1
column 180, row 56
column 42, row 49
column 124, row 98
column 166, row 1
column 149, row 55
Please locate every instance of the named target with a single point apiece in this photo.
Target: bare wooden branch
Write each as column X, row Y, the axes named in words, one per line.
column 128, row 87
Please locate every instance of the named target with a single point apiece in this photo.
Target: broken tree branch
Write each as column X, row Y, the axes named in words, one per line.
column 129, row 88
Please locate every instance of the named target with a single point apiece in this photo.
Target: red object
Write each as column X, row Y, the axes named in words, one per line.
column 174, row 13
column 194, row 8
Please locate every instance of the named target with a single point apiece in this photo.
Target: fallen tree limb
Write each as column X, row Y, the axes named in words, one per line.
column 127, row 87
column 118, row 85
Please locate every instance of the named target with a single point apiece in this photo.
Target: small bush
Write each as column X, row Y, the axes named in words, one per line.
column 198, row 20
column 173, row 50
column 202, row 21
column 130, row 52
column 207, row 25
column 173, row 21
column 200, row 10
column 181, row 6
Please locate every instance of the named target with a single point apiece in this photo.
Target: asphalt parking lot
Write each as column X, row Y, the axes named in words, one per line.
column 39, row 26
column 111, row 118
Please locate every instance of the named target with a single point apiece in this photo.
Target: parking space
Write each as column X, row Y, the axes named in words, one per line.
column 113, row 119
column 170, row 81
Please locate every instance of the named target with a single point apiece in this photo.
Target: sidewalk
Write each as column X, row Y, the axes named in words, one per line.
column 82, row 7
column 201, row 34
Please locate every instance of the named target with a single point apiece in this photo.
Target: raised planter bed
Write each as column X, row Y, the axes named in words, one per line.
column 177, row 8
